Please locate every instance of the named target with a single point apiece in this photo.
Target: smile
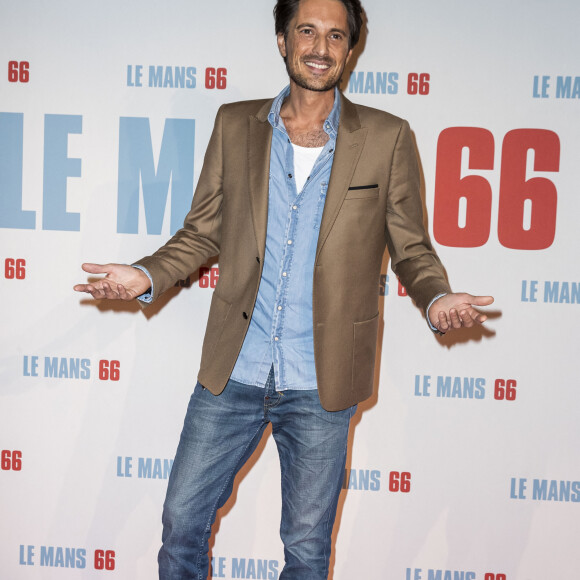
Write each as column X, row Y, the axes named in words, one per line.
column 319, row 66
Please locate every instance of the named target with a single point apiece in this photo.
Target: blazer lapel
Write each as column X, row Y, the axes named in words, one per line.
column 258, row 147
column 349, row 145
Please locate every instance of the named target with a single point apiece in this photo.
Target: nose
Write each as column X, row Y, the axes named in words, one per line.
column 321, row 45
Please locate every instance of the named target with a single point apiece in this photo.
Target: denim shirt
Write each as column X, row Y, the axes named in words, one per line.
column 281, row 331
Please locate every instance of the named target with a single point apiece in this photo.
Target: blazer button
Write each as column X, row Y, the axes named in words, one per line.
column 245, row 315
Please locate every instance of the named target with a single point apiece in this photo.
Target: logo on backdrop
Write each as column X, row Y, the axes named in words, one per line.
column 464, row 199
column 175, row 77
column 554, row 490
column 138, row 172
column 560, row 87
column 65, row 557
column 57, row 367
column 18, row 72
column 15, row 268
column 10, row 460
column 144, row 467
column 370, row 480
column 222, row 567
column 387, row 83
column 449, row 387
column 551, row 291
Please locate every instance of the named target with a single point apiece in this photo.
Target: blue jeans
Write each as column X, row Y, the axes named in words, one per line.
column 219, row 435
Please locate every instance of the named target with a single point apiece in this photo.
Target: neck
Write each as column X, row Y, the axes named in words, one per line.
column 306, row 106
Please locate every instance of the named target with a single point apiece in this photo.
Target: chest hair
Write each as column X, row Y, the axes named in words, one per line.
column 314, row 137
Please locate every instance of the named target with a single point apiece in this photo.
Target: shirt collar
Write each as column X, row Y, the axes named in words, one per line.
column 330, row 126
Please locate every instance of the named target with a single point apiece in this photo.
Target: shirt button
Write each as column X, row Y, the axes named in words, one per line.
column 276, row 339
column 294, row 207
column 290, row 175
column 284, row 274
column 289, row 242
column 279, row 308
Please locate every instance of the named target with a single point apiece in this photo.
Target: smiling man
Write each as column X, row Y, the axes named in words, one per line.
column 299, row 195
column 315, row 45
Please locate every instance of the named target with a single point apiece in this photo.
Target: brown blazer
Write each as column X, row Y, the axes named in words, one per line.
column 373, row 200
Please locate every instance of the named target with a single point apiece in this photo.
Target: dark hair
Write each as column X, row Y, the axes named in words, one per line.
column 285, row 10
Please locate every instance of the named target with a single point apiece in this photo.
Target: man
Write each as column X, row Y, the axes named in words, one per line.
column 299, row 196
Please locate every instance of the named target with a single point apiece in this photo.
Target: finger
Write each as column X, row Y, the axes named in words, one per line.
column 124, row 294
column 467, row 318
column 81, row 288
column 443, row 323
column 481, row 300
column 475, row 316
column 96, row 291
column 96, row 268
column 88, row 289
column 454, row 318
column 480, row 317
column 109, row 292
column 97, row 294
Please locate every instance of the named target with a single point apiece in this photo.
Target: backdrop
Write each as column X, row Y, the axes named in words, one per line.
column 464, row 464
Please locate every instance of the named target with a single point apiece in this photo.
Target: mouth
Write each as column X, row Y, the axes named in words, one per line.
column 317, row 65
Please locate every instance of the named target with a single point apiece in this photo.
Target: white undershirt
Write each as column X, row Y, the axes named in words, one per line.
column 304, row 160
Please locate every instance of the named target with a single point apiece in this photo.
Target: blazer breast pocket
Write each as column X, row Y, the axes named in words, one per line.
column 363, row 191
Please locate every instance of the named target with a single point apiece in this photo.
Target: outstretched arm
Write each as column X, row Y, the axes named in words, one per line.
column 457, row 310
column 121, row 282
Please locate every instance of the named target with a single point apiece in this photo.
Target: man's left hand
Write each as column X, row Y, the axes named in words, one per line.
column 457, row 310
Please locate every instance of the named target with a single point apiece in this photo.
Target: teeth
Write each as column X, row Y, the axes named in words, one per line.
column 316, row 65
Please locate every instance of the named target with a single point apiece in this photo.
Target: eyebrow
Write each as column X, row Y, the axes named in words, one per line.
column 309, row 25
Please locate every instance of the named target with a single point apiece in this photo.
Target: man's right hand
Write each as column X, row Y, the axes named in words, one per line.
column 121, row 282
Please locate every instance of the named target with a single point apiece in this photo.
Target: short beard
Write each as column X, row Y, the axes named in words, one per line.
column 303, row 83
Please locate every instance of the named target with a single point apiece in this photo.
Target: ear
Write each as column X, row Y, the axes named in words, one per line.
column 348, row 56
column 281, row 44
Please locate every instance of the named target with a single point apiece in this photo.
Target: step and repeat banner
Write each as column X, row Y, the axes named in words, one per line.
column 464, row 464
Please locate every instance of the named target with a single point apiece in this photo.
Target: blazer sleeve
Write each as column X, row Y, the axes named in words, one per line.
column 199, row 238
column 413, row 258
